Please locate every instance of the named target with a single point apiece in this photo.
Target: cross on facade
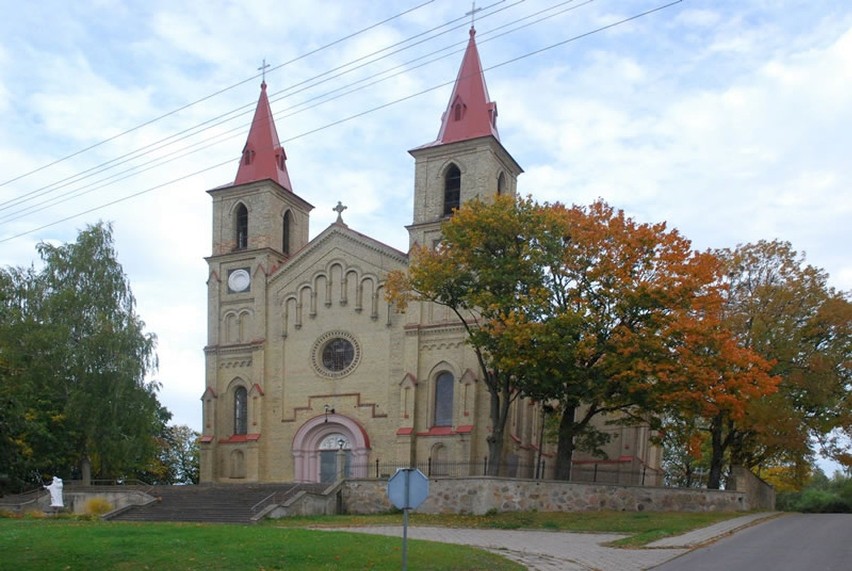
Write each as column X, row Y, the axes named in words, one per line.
column 472, row 13
column 262, row 69
column 339, row 209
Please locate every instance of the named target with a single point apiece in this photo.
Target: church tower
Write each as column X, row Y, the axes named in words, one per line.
column 310, row 374
column 450, row 420
column 466, row 161
column 258, row 224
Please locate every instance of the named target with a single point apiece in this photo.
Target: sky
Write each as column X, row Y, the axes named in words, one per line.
column 731, row 120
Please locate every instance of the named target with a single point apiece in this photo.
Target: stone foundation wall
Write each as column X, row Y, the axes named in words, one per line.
column 75, row 501
column 759, row 494
column 478, row 495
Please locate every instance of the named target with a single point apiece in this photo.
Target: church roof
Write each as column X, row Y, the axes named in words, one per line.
column 469, row 113
column 263, row 156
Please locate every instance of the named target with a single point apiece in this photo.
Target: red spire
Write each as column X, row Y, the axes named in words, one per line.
column 263, row 156
column 469, row 113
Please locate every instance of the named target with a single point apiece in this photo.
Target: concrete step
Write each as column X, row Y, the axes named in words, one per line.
column 214, row 504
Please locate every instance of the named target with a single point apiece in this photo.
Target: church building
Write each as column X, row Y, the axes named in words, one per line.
column 306, row 362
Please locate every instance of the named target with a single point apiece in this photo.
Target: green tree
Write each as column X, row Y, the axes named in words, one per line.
column 33, row 439
column 177, row 460
column 77, row 357
column 783, row 309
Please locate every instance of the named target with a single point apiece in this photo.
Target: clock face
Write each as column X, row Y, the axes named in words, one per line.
column 239, row 280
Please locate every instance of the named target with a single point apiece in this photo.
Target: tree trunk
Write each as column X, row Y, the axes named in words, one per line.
column 495, row 451
column 565, row 446
column 717, row 454
column 499, row 412
column 86, row 470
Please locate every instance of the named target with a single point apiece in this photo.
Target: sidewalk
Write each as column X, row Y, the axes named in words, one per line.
column 562, row 551
column 713, row 532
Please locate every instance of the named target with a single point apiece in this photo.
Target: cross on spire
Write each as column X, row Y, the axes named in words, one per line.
column 339, row 209
column 472, row 13
column 262, row 69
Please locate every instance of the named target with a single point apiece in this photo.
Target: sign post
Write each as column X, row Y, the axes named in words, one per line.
column 407, row 489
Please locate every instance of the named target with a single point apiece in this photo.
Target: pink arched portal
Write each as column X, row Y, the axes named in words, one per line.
column 309, row 438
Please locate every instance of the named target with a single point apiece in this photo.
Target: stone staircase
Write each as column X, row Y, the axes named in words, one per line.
column 211, row 503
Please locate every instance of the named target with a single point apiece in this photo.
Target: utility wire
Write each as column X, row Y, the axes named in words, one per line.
column 214, row 94
column 227, row 116
column 357, row 115
column 216, row 121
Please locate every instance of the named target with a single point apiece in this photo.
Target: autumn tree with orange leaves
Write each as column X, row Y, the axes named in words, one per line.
column 579, row 306
column 487, row 271
column 775, row 305
column 711, row 384
column 782, row 308
column 623, row 300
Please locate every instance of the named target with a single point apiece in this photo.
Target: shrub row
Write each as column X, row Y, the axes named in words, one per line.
column 834, row 496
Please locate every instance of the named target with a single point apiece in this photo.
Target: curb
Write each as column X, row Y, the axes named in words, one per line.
column 712, row 533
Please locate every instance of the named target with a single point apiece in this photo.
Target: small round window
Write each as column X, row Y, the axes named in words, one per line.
column 335, row 354
column 338, row 354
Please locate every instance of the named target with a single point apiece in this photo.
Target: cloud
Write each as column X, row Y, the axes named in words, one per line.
column 727, row 119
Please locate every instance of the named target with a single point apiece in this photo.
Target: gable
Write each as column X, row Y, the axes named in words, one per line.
column 338, row 278
column 340, row 251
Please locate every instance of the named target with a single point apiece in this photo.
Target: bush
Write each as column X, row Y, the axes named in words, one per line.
column 814, row 500
column 97, row 506
column 844, row 490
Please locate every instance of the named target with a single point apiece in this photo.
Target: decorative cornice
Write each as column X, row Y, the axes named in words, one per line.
column 249, row 255
column 237, row 348
column 442, row 345
column 244, row 363
column 325, row 398
column 434, row 330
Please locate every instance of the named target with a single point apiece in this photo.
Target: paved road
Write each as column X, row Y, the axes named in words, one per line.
column 542, row 550
column 793, row 542
column 559, row 551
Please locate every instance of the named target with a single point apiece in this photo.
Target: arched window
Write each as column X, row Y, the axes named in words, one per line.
column 288, row 229
column 240, row 410
column 444, row 399
column 501, row 184
column 242, row 227
column 452, row 189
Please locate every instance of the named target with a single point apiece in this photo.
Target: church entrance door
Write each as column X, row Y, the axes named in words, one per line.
column 335, row 457
column 329, row 447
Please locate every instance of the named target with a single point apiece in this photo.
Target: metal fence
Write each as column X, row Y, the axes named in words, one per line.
column 618, row 472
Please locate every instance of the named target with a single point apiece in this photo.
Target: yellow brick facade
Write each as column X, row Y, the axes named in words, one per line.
column 307, row 362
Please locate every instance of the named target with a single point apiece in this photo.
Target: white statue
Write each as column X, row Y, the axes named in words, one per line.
column 55, row 489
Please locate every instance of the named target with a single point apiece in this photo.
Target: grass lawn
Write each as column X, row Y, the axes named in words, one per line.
column 73, row 544
column 67, row 544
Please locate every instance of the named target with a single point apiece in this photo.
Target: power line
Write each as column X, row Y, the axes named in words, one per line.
column 223, row 118
column 214, row 94
column 356, row 115
column 234, row 114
